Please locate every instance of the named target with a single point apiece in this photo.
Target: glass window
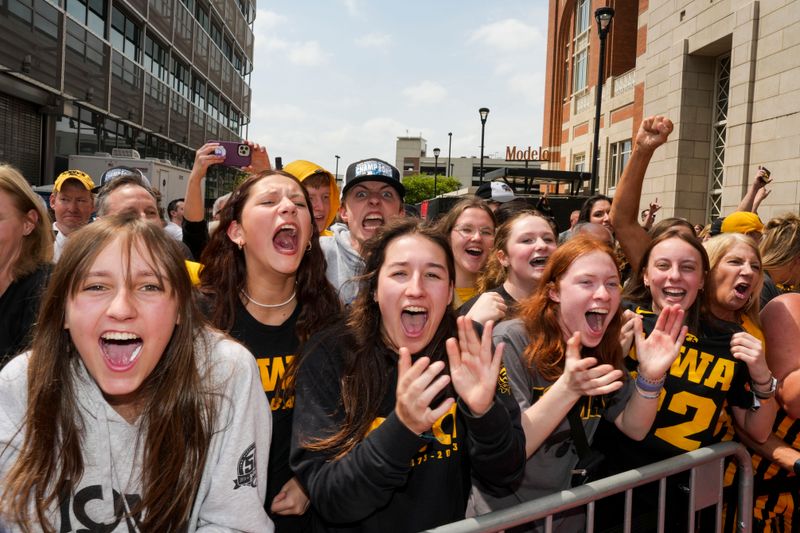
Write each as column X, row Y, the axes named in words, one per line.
column 201, row 14
column 620, row 153
column 180, row 77
column 582, row 16
column 216, row 34
column 579, row 162
column 199, row 92
column 156, row 59
column 227, row 49
column 91, row 13
column 125, row 35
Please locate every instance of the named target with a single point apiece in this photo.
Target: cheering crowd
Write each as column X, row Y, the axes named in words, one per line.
column 310, row 361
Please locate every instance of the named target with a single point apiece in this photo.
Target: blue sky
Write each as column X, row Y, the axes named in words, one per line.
column 349, row 76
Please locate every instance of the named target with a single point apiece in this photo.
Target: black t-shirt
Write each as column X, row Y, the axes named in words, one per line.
column 509, row 300
column 19, row 305
column 703, row 380
column 394, row 480
column 274, row 348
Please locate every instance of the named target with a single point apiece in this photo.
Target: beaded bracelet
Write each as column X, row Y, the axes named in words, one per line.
column 649, row 385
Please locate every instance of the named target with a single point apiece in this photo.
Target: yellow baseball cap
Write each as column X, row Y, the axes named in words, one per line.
column 742, row 222
column 79, row 175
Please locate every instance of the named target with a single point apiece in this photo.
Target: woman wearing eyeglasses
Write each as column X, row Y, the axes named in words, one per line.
column 469, row 227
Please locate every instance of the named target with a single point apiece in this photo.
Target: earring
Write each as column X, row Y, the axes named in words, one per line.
column 308, row 248
column 239, row 244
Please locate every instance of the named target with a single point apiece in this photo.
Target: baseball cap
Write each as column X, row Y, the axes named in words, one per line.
column 742, row 222
column 79, row 175
column 118, row 172
column 372, row 170
column 495, row 191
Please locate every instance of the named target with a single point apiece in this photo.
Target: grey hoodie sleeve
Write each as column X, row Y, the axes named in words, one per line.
column 234, row 485
column 13, row 399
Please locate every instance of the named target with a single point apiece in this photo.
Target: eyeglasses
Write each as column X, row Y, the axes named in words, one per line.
column 469, row 231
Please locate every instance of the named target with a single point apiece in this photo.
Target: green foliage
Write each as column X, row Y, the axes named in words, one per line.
column 420, row 186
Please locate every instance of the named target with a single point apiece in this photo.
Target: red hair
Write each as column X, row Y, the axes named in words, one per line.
column 540, row 314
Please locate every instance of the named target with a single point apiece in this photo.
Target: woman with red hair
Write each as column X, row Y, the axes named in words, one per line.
column 564, row 360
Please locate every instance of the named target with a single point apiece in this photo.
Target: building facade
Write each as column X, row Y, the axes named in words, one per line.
column 87, row 76
column 726, row 72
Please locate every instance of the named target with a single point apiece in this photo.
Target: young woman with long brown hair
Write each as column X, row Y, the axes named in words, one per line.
column 264, row 284
column 563, row 353
column 128, row 414
column 394, row 415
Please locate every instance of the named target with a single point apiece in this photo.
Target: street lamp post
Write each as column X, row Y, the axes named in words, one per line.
column 449, row 149
column 484, row 112
column 336, row 173
column 436, row 153
column 603, row 16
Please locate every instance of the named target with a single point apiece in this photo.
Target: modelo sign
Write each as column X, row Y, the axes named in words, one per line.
column 528, row 154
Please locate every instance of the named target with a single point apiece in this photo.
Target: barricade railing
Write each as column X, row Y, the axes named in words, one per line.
column 707, row 467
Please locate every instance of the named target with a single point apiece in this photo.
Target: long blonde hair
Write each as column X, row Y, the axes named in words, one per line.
column 37, row 246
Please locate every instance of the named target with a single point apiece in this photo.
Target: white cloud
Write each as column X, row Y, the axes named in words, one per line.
column 425, row 92
column 267, row 20
column 307, row 54
column 507, row 35
column 353, row 7
column 374, row 40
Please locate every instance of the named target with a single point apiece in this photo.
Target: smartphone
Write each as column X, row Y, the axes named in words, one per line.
column 236, row 154
column 767, row 174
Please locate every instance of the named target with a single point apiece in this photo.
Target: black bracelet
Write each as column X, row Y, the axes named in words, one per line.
column 796, row 468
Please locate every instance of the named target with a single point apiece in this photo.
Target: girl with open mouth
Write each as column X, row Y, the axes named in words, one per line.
column 394, row 415
column 469, row 227
column 128, row 414
column 264, row 284
column 522, row 247
column 563, row 355
column 722, row 362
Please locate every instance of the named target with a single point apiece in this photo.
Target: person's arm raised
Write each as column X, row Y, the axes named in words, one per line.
column 653, row 132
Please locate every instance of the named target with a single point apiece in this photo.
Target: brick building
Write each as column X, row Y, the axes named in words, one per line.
column 727, row 72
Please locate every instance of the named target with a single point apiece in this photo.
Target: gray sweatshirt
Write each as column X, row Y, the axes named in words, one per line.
column 233, row 486
column 344, row 263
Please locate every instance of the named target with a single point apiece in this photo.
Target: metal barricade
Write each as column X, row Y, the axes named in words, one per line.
column 707, row 466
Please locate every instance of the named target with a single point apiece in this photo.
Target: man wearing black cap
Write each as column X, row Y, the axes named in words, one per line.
column 372, row 194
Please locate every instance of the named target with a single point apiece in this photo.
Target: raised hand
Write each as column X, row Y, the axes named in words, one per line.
column 417, row 386
column 583, row 376
column 204, row 157
column 654, row 207
column 653, row 132
column 626, row 332
column 749, row 349
column 259, row 159
column 473, row 368
column 657, row 352
column 488, row 306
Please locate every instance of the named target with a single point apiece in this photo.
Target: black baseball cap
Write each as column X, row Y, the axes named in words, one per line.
column 372, row 170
